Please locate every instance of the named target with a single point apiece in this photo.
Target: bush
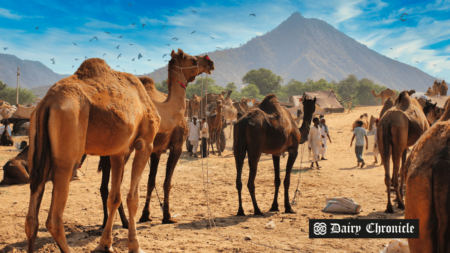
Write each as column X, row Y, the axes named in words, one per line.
column 8, row 94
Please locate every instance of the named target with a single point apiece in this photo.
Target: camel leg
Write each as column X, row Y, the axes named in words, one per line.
column 217, row 135
column 154, row 162
column 171, row 163
column 396, row 165
column 114, row 201
column 382, row 101
column 253, row 164
column 231, row 128
column 211, row 141
column 61, row 177
column 387, row 182
column 399, row 189
column 287, row 180
column 276, row 166
column 140, row 159
column 32, row 221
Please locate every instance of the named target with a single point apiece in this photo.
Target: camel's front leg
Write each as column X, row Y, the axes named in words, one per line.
column 171, row 163
column 217, row 135
column 276, row 166
column 140, row 159
column 154, row 162
column 287, row 180
column 114, row 201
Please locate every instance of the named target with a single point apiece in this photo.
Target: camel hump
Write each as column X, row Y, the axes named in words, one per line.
column 270, row 104
column 145, row 80
column 94, row 68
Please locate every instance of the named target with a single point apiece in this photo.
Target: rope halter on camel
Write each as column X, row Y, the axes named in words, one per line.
column 182, row 74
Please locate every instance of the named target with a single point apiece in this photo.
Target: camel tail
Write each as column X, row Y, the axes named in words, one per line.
column 104, row 163
column 239, row 146
column 441, row 199
column 42, row 149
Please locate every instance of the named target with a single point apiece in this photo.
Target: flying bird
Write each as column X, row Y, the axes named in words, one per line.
column 133, row 59
column 402, row 17
column 174, row 38
column 53, row 60
column 5, row 48
column 131, row 44
column 213, row 38
column 168, row 45
column 85, row 58
column 76, row 59
column 74, row 43
column 72, row 66
column 133, row 24
column 123, row 69
column 192, row 32
column 193, row 11
column 253, row 15
column 149, row 59
column 417, row 61
column 129, row 5
column 120, row 36
column 164, row 55
column 218, row 47
column 395, row 58
column 143, row 25
column 134, row 71
column 118, row 46
column 104, row 55
column 37, row 28
column 434, row 65
column 117, row 66
column 391, row 48
column 140, row 56
column 163, row 26
column 108, row 32
column 94, row 38
column 166, row 60
column 119, row 56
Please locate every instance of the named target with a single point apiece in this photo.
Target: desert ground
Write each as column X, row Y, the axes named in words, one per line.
column 338, row 177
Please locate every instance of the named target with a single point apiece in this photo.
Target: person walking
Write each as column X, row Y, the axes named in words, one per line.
column 316, row 142
column 359, row 133
column 205, row 136
column 194, row 135
column 325, row 136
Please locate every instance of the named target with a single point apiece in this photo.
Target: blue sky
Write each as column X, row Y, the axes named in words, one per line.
column 424, row 37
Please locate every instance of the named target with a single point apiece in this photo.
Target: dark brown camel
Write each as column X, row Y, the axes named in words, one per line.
column 172, row 140
column 387, row 105
column 270, row 129
column 6, row 139
column 398, row 129
column 215, row 127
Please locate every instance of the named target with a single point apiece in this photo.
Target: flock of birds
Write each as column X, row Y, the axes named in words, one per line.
column 121, row 36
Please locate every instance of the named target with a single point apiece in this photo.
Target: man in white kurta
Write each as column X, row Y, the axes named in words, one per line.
column 194, row 135
column 316, row 141
column 325, row 136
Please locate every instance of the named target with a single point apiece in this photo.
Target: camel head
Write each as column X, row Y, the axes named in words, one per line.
column 411, row 92
column 190, row 66
column 430, row 111
column 309, row 107
column 219, row 105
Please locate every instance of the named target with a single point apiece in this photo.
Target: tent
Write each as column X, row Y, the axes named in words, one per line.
column 23, row 112
column 326, row 100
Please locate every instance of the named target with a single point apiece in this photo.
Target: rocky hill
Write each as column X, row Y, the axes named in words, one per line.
column 32, row 73
column 301, row 48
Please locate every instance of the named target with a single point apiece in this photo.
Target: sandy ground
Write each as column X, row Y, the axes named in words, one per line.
column 337, row 177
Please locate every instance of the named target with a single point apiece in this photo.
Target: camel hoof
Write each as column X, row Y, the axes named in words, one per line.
column 289, row 210
column 104, row 248
column 274, row 208
column 240, row 213
column 169, row 221
column 259, row 213
column 401, row 205
column 145, row 219
column 389, row 210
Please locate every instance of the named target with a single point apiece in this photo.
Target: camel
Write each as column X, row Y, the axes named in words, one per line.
column 186, row 113
column 109, row 114
column 270, row 129
column 172, row 140
column 399, row 128
column 215, row 128
column 208, row 99
column 387, row 93
column 421, row 101
column 427, row 191
column 387, row 105
column 364, row 118
column 238, row 107
column 5, row 138
column 430, row 92
column 194, row 106
column 440, row 88
column 436, row 88
column 229, row 113
column 371, row 122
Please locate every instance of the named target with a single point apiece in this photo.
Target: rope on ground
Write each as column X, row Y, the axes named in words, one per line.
column 206, row 189
column 298, row 193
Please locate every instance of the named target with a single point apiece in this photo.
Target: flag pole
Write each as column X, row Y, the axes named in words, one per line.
column 17, row 90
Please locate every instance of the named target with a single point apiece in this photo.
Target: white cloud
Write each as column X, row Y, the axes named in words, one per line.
column 7, row 14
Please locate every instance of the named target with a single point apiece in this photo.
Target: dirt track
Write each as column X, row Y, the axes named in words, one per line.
column 337, row 177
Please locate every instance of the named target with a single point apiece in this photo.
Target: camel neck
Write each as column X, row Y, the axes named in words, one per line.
column 172, row 110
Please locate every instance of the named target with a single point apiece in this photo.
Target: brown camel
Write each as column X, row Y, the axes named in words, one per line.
column 110, row 114
column 430, row 92
column 229, row 113
column 427, row 189
column 194, row 106
column 364, row 118
column 269, row 129
column 208, row 99
column 5, row 138
column 172, row 140
column 387, row 105
column 238, row 107
column 441, row 87
column 215, row 127
column 387, row 93
column 371, row 122
column 399, row 128
column 186, row 113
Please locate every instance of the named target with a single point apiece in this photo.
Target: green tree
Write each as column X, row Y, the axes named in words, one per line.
column 347, row 87
column 266, row 81
column 231, row 86
column 196, row 87
column 8, row 94
column 251, row 91
column 2, row 85
column 162, row 87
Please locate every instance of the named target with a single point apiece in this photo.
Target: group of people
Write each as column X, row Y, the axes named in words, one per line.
column 317, row 140
column 195, row 133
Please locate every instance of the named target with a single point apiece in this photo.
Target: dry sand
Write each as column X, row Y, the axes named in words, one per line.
column 337, row 177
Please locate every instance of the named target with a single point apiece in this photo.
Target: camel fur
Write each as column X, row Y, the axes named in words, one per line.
column 430, row 92
column 387, row 105
column 399, row 128
column 270, row 129
column 365, row 119
column 215, row 127
column 385, row 94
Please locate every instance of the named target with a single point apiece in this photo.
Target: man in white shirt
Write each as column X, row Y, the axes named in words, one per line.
column 194, row 133
column 316, row 142
column 205, row 136
column 325, row 136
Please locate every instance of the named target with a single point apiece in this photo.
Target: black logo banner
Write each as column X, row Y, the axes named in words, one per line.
column 363, row 228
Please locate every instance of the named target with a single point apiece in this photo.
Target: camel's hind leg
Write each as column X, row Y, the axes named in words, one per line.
column 253, row 159
column 276, row 166
column 399, row 189
column 154, row 162
column 217, row 135
column 287, row 180
column 171, row 163
column 114, row 201
column 231, row 128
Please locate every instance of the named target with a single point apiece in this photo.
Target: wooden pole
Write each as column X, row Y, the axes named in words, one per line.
column 17, row 90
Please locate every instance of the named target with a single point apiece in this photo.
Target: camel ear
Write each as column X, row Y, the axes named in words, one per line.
column 314, row 99
column 173, row 53
column 181, row 53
